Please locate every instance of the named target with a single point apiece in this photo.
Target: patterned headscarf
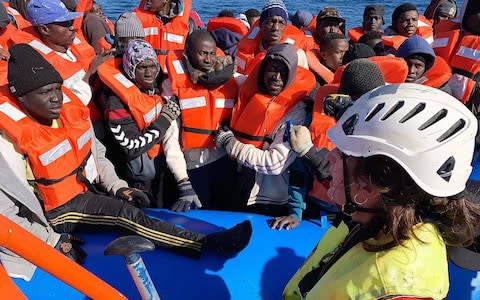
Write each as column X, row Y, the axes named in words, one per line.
column 138, row 51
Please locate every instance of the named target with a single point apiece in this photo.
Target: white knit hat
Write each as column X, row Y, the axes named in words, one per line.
column 128, row 25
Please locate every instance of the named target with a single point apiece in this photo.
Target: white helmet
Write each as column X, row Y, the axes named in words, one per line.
column 428, row 132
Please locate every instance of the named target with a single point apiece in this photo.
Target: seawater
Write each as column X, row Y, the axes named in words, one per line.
column 351, row 10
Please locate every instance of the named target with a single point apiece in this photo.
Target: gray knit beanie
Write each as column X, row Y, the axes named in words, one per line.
column 360, row 76
column 128, row 25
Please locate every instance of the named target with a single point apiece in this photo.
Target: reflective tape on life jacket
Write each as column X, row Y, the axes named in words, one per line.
column 203, row 110
column 60, row 158
column 445, row 44
column 424, row 29
column 164, row 37
column 394, row 69
column 314, row 64
column 230, row 23
column 144, row 108
column 439, row 73
column 256, row 115
column 69, row 70
column 17, row 17
column 465, row 66
column 248, row 46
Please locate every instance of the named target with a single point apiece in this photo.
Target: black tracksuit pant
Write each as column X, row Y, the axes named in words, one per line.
column 95, row 212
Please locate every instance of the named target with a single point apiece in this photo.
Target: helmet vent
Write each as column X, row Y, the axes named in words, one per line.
column 434, row 119
column 349, row 125
column 392, row 110
column 445, row 171
column 452, row 130
column 374, row 111
column 415, row 111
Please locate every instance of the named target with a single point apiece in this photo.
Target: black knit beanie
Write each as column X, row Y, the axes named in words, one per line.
column 28, row 70
column 400, row 10
column 356, row 51
column 360, row 76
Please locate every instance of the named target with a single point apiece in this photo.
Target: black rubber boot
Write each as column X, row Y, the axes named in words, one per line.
column 230, row 242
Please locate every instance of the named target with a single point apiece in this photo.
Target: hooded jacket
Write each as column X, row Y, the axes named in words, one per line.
column 273, row 157
column 416, row 45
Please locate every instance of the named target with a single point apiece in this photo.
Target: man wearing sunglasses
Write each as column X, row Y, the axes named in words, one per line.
column 53, row 36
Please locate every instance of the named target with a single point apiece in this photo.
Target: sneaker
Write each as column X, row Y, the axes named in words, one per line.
column 230, row 242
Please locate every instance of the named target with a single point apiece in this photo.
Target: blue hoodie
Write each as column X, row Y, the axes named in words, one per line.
column 416, row 45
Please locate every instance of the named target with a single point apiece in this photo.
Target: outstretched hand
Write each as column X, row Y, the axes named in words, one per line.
column 287, row 222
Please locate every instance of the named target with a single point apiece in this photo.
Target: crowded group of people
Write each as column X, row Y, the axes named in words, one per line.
column 263, row 111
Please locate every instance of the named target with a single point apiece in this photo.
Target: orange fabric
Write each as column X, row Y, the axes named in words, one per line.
column 83, row 6
column 23, row 243
column 321, row 123
column 19, row 19
column 256, row 115
column 203, row 110
column 393, row 41
column 164, row 37
column 394, row 69
column 248, row 47
column 446, row 43
column 144, row 108
column 42, row 145
column 439, row 73
column 424, row 29
column 5, row 36
column 229, row 23
column 355, row 33
column 80, row 48
column 463, row 62
column 314, row 64
column 446, row 25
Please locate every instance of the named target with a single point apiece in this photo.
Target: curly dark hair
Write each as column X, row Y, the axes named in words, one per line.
column 407, row 205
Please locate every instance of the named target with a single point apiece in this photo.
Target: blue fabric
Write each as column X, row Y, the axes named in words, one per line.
column 226, row 40
column 41, row 12
column 416, row 45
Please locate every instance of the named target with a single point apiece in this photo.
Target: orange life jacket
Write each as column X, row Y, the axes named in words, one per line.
column 164, row 37
column 70, row 71
column 83, row 6
column 321, row 123
column 230, row 23
column 424, row 29
column 309, row 31
column 465, row 65
column 248, row 47
column 57, row 156
column 355, row 33
column 394, row 69
column 19, row 19
column 203, row 110
column 314, row 64
column 7, row 33
column 144, row 108
column 446, row 43
column 256, row 115
column 439, row 73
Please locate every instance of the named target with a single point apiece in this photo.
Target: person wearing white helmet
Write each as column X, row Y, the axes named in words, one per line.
column 399, row 176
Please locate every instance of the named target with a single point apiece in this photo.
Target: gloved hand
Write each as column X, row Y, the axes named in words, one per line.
column 224, row 138
column 188, row 198
column 300, row 139
column 69, row 246
column 134, row 196
column 170, row 110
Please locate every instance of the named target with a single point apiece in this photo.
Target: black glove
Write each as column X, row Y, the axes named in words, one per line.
column 188, row 198
column 318, row 163
column 134, row 196
column 69, row 246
